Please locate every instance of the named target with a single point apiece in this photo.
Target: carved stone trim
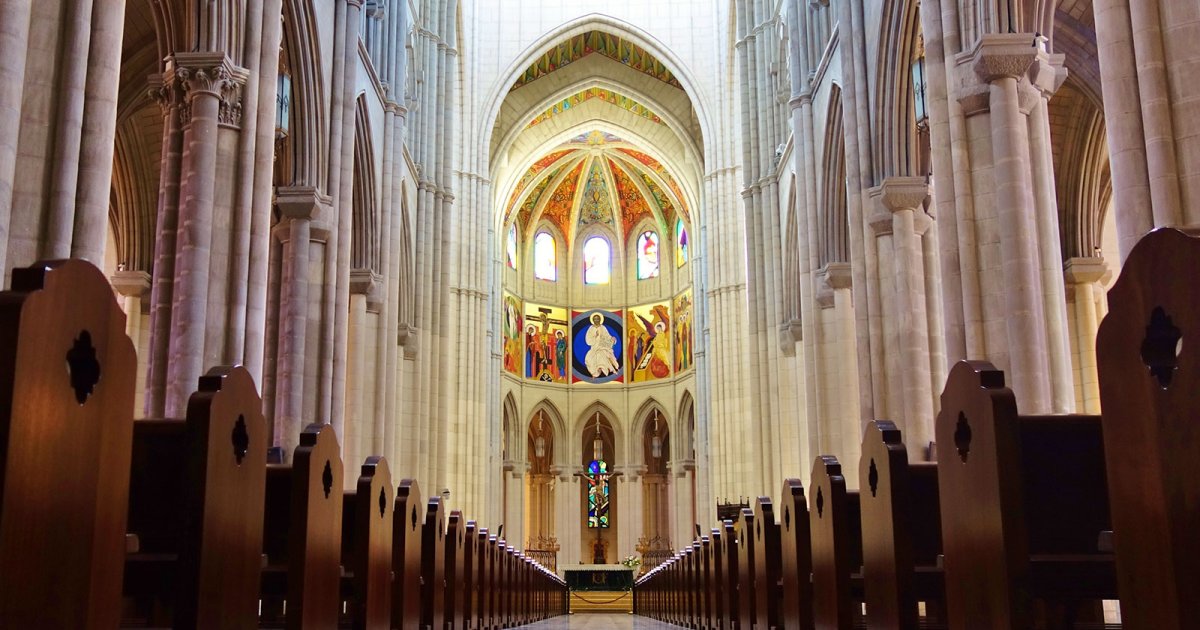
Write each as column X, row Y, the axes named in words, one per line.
column 1004, row 55
column 303, row 202
column 904, row 193
column 837, row 275
column 211, row 73
column 131, row 283
column 1082, row 270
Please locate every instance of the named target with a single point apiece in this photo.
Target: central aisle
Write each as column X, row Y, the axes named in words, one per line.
column 599, row 621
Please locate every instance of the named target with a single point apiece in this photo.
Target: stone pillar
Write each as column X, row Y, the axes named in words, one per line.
column 1002, row 62
column 209, row 81
column 569, row 514
column 355, row 431
column 14, row 45
column 134, row 288
column 841, row 413
column 515, row 526
column 299, row 209
column 905, row 197
column 626, row 482
column 1083, row 279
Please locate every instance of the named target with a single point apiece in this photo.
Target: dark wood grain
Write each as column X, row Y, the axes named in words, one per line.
column 796, row 559
column 408, row 520
column 367, row 538
column 836, row 547
column 1150, row 432
column 64, row 466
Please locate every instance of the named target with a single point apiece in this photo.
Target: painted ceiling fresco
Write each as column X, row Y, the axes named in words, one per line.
column 608, row 96
column 606, row 44
column 595, row 178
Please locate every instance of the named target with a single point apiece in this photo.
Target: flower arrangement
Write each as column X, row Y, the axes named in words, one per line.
column 632, row 562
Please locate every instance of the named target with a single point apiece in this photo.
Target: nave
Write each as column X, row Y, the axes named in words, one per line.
column 599, row 621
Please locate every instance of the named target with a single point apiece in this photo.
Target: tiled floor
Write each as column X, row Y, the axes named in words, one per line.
column 599, row 621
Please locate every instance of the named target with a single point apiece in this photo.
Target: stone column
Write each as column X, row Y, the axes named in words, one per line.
column 14, row 45
column 627, row 483
column 1001, row 62
column 1083, row 277
column 355, row 430
column 905, row 197
column 841, row 393
column 209, row 81
column 134, row 288
column 515, row 475
column 569, row 514
column 299, row 209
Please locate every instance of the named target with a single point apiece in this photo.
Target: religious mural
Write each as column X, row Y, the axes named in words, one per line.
column 597, row 347
column 546, row 354
column 597, row 478
column 683, row 331
column 649, row 329
column 510, row 323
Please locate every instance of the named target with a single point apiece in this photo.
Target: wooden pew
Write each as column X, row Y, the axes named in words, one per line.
column 302, row 534
column 65, row 439
column 1149, row 371
column 454, row 542
column 483, row 589
column 718, row 583
column 407, row 520
column 704, row 588
column 196, row 510
column 796, row 559
column 1030, row 503
column 747, row 552
column 902, row 532
column 367, row 537
column 470, row 579
column 729, row 567
column 767, row 566
column 433, row 565
column 836, row 548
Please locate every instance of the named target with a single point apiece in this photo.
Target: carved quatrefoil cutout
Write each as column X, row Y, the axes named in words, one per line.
column 327, row 479
column 1161, row 347
column 820, row 503
column 962, row 436
column 873, row 477
column 240, row 439
column 787, row 519
column 382, row 502
column 83, row 367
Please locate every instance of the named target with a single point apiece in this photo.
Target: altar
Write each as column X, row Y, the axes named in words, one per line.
column 600, row 587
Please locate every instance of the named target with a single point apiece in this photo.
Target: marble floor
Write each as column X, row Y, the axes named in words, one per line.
column 600, row 621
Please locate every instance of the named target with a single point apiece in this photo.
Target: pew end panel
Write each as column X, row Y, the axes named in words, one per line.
column 433, row 565
column 408, row 519
column 767, row 567
column 65, row 447
column 836, row 547
column 796, row 565
column 315, row 540
column 367, row 522
column 1149, row 371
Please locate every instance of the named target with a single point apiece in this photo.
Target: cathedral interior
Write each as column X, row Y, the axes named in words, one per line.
column 599, row 272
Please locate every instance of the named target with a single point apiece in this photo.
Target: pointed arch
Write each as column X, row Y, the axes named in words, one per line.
column 365, row 235
column 833, row 244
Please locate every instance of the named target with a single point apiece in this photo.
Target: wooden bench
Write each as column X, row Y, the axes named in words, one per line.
column 746, row 556
column 302, row 534
column 65, row 437
column 1149, row 368
column 407, row 521
column 902, row 532
column 1025, row 503
column 454, row 542
column 836, row 529
column 367, row 538
column 795, row 559
column 768, row 587
column 433, row 565
column 196, row 501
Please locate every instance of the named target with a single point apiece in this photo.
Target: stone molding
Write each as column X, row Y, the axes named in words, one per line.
column 303, row 202
column 406, row 337
column 904, row 193
column 130, row 283
column 791, row 332
column 880, row 223
column 367, row 282
column 1084, row 270
column 1004, row 55
column 837, row 275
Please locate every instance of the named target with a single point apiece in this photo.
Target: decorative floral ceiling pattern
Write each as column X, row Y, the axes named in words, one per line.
column 611, row 46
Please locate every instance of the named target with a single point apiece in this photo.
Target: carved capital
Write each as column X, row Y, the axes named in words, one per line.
column 302, row 202
column 209, row 73
column 904, row 193
column 131, row 283
column 1004, row 55
column 837, row 275
column 791, row 332
column 367, row 282
column 1084, row 270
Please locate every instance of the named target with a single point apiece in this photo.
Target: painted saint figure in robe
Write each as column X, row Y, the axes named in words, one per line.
column 601, row 360
column 597, row 346
column 649, row 342
column 546, row 343
column 683, row 331
column 511, row 343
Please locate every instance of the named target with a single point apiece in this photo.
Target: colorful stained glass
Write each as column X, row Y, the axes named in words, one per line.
column 597, row 261
column 647, row 256
column 681, row 243
column 597, row 476
column 510, row 247
column 545, row 263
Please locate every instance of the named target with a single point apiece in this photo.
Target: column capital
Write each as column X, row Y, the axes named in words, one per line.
column 130, row 283
column 367, row 282
column 1005, row 55
column 212, row 73
column 837, row 275
column 302, row 202
column 903, row 193
column 1084, row 269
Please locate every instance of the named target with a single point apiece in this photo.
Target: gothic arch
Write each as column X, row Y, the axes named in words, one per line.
column 365, row 233
column 833, row 241
column 300, row 38
column 583, row 24
column 583, row 426
column 641, row 420
column 896, row 141
column 558, row 428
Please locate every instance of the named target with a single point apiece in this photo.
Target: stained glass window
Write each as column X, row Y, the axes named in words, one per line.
column 545, row 263
column 597, row 477
column 681, row 243
column 597, row 261
column 510, row 246
column 647, row 256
